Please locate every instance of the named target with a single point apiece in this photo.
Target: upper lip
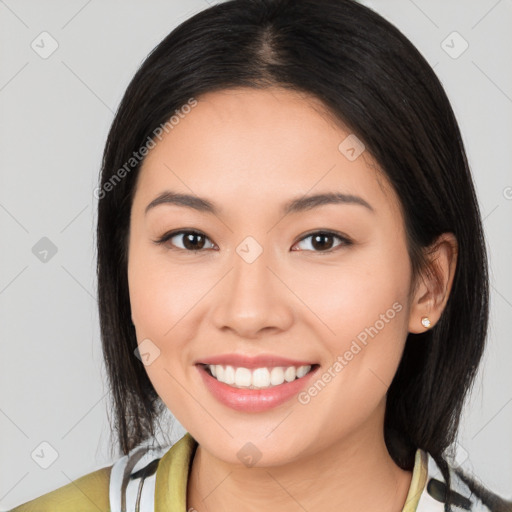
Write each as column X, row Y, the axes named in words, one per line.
column 259, row 361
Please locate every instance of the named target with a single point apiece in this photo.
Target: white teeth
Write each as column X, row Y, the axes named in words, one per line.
column 229, row 375
column 277, row 376
column 289, row 374
column 302, row 370
column 258, row 378
column 242, row 377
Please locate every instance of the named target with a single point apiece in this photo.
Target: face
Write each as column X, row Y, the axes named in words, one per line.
column 323, row 285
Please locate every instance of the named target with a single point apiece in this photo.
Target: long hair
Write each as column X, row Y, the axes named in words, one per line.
column 371, row 78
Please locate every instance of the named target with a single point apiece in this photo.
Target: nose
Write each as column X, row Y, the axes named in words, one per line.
column 253, row 298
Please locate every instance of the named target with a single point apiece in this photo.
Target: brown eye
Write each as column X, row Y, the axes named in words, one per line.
column 322, row 241
column 190, row 240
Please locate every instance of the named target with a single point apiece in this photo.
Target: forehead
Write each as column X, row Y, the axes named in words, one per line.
column 258, row 146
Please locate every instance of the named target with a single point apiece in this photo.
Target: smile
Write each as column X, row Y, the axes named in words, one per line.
column 258, row 389
column 258, row 378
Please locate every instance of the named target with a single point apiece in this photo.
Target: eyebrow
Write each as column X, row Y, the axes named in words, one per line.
column 295, row 205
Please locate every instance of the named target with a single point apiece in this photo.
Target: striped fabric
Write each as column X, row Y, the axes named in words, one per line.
column 133, row 483
column 133, row 478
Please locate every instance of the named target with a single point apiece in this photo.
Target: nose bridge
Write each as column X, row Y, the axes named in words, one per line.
column 251, row 274
column 250, row 299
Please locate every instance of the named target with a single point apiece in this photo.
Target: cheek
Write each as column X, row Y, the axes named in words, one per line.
column 352, row 296
column 364, row 305
column 165, row 300
column 160, row 294
column 160, row 298
column 148, row 300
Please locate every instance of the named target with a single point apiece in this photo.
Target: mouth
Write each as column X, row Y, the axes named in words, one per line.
column 257, row 378
column 255, row 383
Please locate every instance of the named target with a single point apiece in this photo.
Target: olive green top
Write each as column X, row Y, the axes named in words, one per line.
column 90, row 493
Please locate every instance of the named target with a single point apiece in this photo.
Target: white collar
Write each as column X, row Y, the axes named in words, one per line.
column 133, row 479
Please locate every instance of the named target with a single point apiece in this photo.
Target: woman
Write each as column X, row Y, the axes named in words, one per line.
column 291, row 260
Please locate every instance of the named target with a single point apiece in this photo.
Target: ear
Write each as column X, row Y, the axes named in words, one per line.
column 434, row 284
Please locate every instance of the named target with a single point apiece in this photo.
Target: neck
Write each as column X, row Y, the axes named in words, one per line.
column 357, row 473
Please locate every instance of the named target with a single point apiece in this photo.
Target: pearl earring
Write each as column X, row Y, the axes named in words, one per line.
column 425, row 321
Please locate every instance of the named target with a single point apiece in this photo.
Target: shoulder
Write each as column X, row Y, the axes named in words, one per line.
column 468, row 493
column 131, row 483
column 87, row 493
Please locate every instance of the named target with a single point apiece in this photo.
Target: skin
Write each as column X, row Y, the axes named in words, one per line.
column 248, row 151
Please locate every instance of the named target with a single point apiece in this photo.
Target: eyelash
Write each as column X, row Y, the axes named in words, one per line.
column 345, row 241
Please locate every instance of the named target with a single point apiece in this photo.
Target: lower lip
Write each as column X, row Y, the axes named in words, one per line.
column 253, row 400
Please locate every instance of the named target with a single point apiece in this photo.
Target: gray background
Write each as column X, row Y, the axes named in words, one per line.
column 54, row 116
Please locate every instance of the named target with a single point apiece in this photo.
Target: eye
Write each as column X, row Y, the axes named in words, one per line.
column 320, row 241
column 192, row 240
